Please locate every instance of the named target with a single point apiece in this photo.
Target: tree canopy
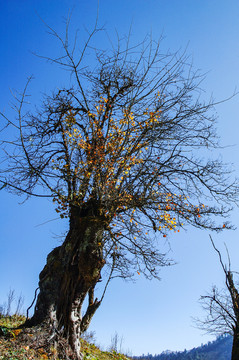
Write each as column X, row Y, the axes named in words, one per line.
column 128, row 140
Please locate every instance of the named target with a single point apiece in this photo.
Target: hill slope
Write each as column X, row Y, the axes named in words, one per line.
column 220, row 349
column 13, row 347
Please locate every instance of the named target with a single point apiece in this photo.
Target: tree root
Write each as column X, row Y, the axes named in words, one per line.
column 48, row 340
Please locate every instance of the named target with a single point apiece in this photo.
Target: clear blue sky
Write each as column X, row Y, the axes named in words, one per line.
column 151, row 316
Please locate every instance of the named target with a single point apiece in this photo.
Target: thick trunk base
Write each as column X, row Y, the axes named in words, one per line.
column 50, row 342
column 68, row 278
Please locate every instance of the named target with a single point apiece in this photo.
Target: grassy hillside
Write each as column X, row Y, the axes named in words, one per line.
column 13, row 348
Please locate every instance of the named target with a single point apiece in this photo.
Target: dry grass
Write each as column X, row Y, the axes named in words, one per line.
column 13, row 347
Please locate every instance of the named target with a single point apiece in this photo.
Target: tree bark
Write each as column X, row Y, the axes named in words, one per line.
column 235, row 345
column 69, row 276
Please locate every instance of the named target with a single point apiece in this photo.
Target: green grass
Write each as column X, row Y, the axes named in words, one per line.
column 12, row 349
column 91, row 352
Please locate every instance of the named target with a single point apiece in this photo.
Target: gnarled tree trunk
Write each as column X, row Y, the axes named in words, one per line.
column 69, row 276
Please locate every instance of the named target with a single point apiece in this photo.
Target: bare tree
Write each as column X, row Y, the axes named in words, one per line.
column 222, row 308
column 10, row 299
column 6, row 308
column 116, row 342
column 19, row 304
column 121, row 152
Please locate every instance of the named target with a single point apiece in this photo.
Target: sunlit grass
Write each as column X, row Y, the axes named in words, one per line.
column 12, row 349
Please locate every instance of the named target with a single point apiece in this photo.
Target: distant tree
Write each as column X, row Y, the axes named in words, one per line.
column 122, row 154
column 222, row 308
column 6, row 308
column 116, row 342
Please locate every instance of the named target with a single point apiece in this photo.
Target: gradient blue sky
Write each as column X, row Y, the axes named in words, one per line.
column 151, row 316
